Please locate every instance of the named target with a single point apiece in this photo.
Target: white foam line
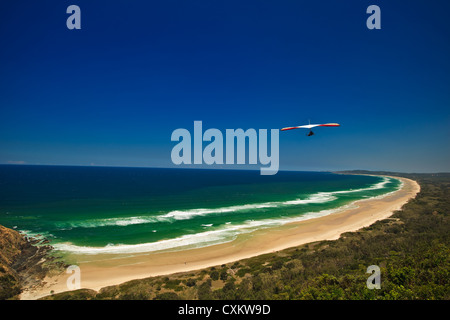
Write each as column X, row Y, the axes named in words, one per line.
column 320, row 197
column 225, row 234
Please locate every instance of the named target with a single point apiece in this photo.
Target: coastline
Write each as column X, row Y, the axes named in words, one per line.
column 104, row 270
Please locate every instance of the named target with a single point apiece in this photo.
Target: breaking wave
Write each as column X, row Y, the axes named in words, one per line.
column 224, row 234
column 214, row 234
column 172, row 216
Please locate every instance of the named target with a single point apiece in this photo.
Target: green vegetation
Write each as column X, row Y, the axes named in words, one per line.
column 412, row 248
column 9, row 286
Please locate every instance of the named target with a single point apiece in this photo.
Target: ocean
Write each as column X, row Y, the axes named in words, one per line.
column 95, row 210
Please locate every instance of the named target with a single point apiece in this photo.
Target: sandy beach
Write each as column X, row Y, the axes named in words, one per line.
column 98, row 271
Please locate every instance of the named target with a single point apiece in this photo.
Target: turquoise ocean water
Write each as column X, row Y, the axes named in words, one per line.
column 94, row 210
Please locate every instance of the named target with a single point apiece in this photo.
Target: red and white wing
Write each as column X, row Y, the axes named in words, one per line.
column 309, row 126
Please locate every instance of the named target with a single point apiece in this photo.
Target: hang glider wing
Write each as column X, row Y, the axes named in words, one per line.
column 309, row 126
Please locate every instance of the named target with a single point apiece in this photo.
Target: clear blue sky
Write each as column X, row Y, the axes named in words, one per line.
column 113, row 92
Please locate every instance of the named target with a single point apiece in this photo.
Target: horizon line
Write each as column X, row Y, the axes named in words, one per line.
column 207, row 168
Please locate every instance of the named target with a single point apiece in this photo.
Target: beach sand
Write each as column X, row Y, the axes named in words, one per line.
column 98, row 271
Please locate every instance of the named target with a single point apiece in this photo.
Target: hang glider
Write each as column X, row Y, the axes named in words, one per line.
column 310, row 126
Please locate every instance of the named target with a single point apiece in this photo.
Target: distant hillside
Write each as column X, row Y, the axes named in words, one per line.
column 399, row 174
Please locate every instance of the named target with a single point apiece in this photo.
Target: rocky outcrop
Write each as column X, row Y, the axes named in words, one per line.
column 24, row 262
column 11, row 243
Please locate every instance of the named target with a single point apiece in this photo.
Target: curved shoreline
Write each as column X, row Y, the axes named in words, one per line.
column 225, row 233
column 113, row 269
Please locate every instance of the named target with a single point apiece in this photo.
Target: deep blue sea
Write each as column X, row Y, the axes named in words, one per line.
column 124, row 210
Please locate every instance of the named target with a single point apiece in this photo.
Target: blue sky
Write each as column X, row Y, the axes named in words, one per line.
column 113, row 92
